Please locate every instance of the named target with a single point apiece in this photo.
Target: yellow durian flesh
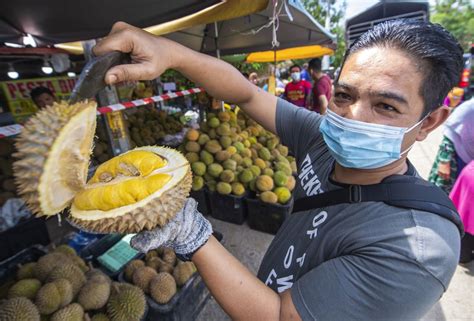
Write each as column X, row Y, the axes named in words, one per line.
column 106, row 197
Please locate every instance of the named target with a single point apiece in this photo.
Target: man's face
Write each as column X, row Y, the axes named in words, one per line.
column 295, row 74
column 44, row 100
column 382, row 86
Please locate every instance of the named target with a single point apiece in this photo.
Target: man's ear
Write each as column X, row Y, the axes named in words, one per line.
column 435, row 119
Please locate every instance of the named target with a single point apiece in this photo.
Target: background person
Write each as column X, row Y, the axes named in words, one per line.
column 42, row 97
column 297, row 91
column 322, row 87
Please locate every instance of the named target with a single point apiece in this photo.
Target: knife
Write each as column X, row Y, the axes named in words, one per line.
column 91, row 80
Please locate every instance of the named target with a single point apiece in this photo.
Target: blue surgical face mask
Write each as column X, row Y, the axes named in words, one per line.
column 357, row 144
column 296, row 76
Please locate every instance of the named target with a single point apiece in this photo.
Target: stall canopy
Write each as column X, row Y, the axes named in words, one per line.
column 304, row 52
column 246, row 34
column 56, row 21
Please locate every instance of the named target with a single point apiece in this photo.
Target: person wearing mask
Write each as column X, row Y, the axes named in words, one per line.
column 345, row 261
column 322, row 87
column 42, row 97
column 297, row 91
column 304, row 73
column 457, row 147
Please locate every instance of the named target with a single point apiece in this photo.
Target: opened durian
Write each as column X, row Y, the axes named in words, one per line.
column 140, row 189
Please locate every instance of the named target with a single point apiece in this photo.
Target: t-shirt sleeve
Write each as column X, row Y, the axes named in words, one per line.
column 323, row 87
column 297, row 127
column 365, row 288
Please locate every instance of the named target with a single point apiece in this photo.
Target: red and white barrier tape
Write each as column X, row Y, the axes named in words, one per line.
column 12, row 130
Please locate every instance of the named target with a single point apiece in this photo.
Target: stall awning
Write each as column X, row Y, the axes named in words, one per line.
column 305, row 52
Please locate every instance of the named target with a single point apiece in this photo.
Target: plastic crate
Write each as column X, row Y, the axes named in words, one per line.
column 267, row 217
column 228, row 208
column 202, row 198
column 23, row 235
column 8, row 267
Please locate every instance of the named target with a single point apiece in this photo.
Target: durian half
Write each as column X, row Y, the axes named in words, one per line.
column 138, row 190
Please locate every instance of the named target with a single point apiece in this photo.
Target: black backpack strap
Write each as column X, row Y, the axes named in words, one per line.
column 409, row 192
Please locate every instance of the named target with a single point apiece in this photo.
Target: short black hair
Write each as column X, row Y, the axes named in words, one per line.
column 438, row 54
column 315, row 64
column 37, row 91
column 295, row 66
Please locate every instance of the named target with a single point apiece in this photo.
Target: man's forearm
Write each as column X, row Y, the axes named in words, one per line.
column 237, row 291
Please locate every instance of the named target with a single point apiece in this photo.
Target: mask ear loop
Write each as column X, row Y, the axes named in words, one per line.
column 410, row 129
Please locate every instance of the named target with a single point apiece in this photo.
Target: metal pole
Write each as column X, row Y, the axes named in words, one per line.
column 327, row 25
column 114, row 122
column 216, row 37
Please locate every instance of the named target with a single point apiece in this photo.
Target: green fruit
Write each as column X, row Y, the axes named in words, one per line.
column 142, row 277
column 206, row 157
column 199, row 168
column 272, row 143
column 280, row 178
column 192, row 147
column 94, row 296
column 264, row 183
column 48, row 299
column 212, row 133
column 225, row 141
column 215, row 170
column 183, row 272
column 207, row 177
column 238, row 189
column 222, row 156
column 247, row 162
column 203, row 139
column 224, row 116
column 100, row 317
column 282, row 159
column 283, row 194
column 71, row 273
column 198, row 183
column 246, row 152
column 231, row 150
column 18, row 309
column 47, row 263
column 283, row 150
column 223, row 130
column 255, row 170
column 224, row 188
column 239, row 146
column 252, row 185
column 65, row 291
column 211, row 185
column 284, row 167
column 66, row 249
column 230, row 164
column 227, row 176
column 72, row 312
column 290, row 184
column 264, row 154
column 131, row 267
column 163, row 288
column 268, row 171
column 213, row 122
column 26, row 271
column 237, row 158
column 213, row 146
column 192, row 157
column 269, row 197
column 26, row 288
column 294, row 167
column 126, row 303
column 246, row 176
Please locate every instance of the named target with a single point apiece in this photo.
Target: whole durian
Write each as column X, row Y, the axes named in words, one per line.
column 94, row 295
column 26, row 288
column 127, row 303
column 72, row 312
column 142, row 277
column 131, row 267
column 18, row 309
column 48, row 299
column 163, row 287
column 70, row 272
column 26, row 271
column 183, row 271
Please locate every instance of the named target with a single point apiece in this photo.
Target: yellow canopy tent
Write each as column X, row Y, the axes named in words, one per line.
column 222, row 11
column 304, row 52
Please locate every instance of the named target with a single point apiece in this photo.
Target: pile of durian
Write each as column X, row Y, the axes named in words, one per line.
column 147, row 125
column 232, row 154
column 61, row 287
column 160, row 274
column 7, row 185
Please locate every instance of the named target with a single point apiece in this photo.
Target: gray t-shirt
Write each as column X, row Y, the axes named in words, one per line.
column 365, row 261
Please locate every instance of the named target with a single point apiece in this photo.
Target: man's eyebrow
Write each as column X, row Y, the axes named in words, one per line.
column 390, row 95
column 343, row 85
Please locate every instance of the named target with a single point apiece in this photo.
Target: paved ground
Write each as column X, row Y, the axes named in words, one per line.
column 249, row 246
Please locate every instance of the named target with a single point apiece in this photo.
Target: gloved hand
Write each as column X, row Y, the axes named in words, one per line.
column 185, row 233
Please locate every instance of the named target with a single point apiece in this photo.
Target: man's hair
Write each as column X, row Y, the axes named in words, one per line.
column 315, row 64
column 37, row 91
column 295, row 66
column 436, row 52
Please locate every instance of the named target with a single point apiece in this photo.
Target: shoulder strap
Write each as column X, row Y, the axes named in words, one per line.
column 409, row 192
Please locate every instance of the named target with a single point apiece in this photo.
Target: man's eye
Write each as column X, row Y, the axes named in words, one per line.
column 386, row 107
column 342, row 96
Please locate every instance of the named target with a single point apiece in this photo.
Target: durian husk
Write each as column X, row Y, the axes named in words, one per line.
column 53, row 155
column 146, row 214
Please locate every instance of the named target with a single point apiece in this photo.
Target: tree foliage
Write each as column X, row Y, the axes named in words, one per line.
column 319, row 9
column 457, row 16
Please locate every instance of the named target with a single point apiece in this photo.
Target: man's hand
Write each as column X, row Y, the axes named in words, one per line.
column 151, row 55
column 185, row 233
column 444, row 170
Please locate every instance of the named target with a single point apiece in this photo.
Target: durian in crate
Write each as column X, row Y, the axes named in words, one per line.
column 138, row 190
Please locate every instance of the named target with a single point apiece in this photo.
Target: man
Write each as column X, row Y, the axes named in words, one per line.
column 42, row 97
column 353, row 261
column 297, row 91
column 322, row 87
column 304, row 73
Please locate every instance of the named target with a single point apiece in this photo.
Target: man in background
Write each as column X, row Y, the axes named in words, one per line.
column 322, row 87
column 42, row 97
column 297, row 91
